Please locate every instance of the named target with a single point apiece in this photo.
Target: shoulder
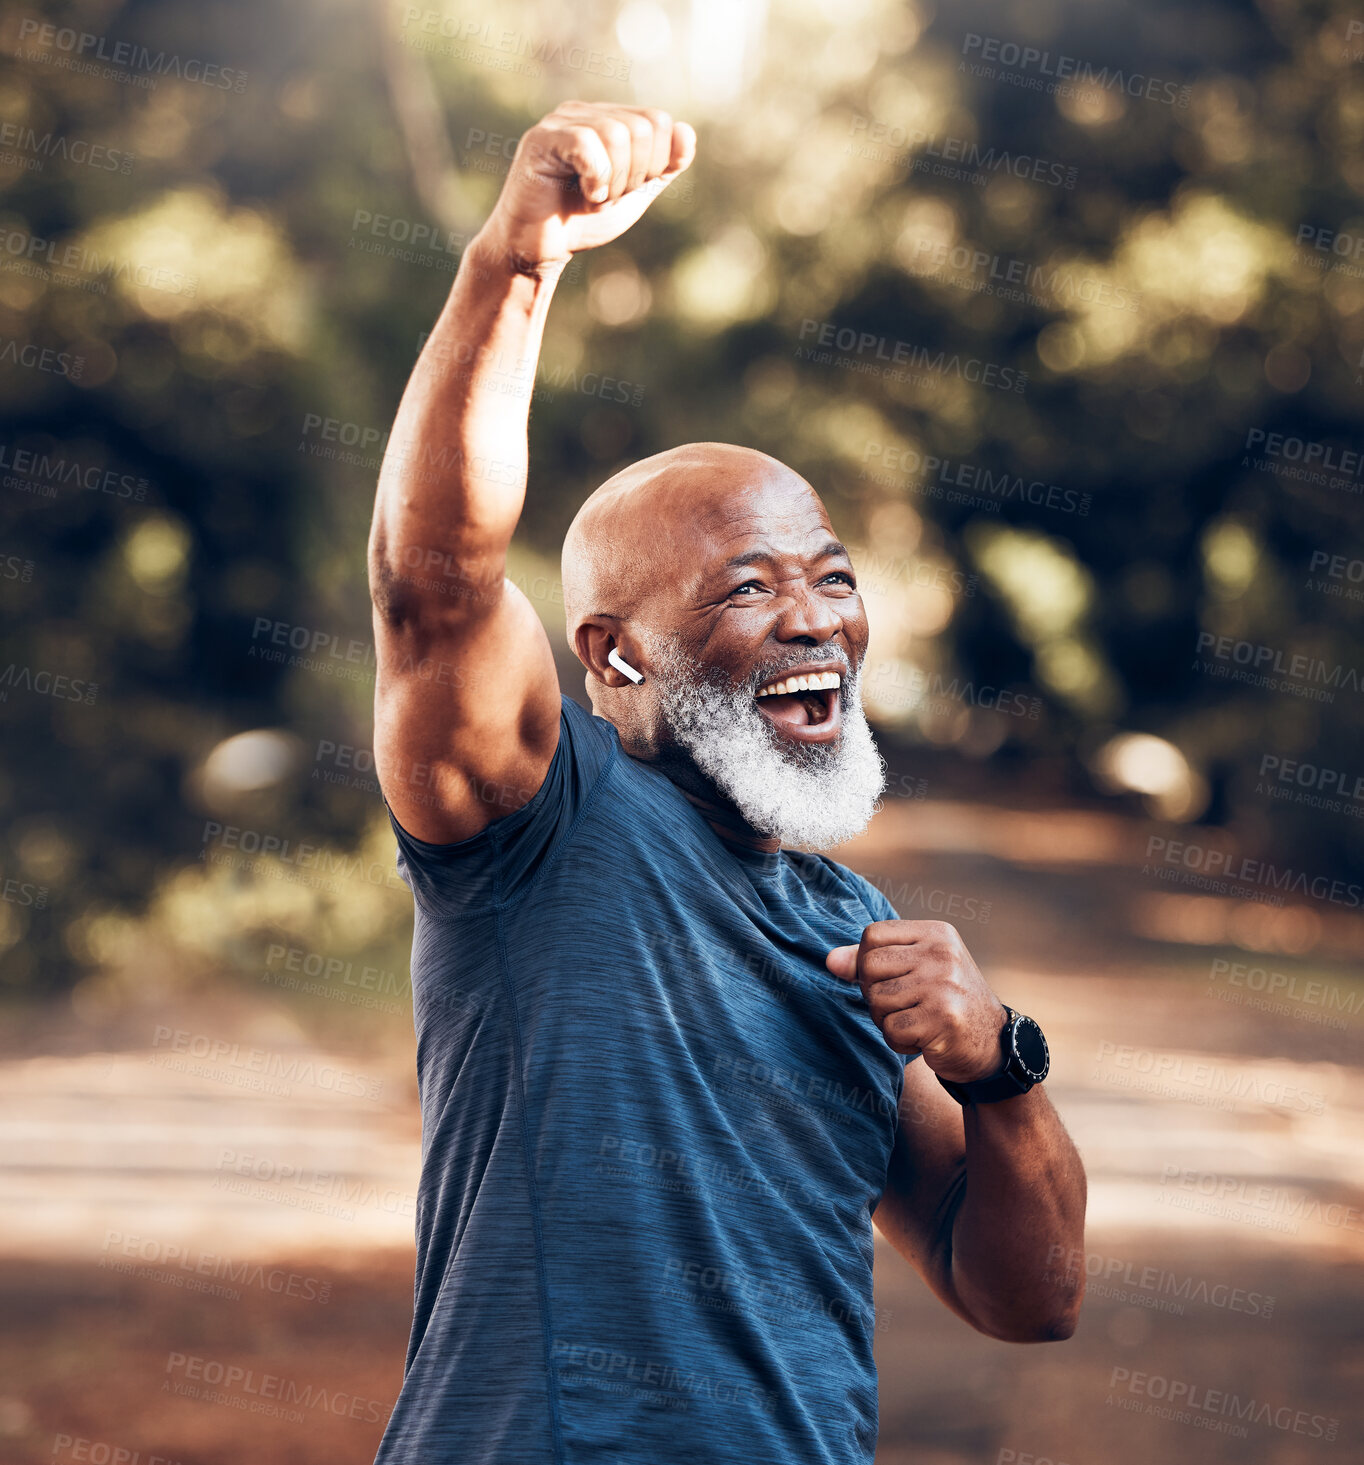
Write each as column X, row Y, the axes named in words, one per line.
column 820, row 870
column 582, row 723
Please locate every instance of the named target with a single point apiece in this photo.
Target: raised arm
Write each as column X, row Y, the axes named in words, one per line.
column 467, row 700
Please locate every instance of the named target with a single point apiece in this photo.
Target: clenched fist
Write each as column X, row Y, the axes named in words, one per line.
column 582, row 175
column 927, row 996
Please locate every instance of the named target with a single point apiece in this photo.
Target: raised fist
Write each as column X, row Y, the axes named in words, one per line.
column 582, row 175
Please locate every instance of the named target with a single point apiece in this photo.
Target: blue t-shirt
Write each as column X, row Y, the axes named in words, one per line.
column 654, row 1129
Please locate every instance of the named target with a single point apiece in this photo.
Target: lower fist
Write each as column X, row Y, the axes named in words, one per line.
column 927, row 996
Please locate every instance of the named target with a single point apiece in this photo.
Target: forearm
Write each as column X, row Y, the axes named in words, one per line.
column 452, row 484
column 1022, row 1206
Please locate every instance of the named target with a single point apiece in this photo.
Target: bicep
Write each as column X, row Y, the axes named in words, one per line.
column 466, row 714
column 925, row 1179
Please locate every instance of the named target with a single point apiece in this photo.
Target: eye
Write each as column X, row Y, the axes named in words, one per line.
column 843, row 575
column 748, row 585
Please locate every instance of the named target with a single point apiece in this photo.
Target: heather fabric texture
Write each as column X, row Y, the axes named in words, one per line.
column 654, row 1128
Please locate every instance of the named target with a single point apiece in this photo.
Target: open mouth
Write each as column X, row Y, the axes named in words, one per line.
column 805, row 706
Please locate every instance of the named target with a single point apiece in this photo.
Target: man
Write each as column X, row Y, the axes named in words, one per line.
column 665, row 1058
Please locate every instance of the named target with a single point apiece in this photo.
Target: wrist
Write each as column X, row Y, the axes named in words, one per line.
column 993, row 1060
column 1026, row 1062
column 495, row 252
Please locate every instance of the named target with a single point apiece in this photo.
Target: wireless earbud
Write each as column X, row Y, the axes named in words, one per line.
column 621, row 665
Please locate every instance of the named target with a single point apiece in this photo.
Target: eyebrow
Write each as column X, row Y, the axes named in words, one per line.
column 758, row 556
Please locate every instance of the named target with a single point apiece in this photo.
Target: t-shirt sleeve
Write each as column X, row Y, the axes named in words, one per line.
column 499, row 863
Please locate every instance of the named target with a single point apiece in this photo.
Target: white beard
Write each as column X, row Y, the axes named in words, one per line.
column 807, row 795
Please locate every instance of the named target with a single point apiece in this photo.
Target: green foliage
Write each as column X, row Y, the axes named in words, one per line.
column 244, row 325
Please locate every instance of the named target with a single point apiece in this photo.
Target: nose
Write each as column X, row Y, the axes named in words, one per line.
column 806, row 617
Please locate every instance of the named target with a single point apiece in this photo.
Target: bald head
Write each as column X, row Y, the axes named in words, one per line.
column 714, row 571
column 635, row 539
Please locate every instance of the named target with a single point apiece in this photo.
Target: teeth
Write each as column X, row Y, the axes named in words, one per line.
column 819, row 682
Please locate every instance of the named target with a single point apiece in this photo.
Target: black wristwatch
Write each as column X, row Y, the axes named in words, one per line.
column 1026, row 1062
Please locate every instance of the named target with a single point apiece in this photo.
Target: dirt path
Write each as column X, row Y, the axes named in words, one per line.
column 219, row 1191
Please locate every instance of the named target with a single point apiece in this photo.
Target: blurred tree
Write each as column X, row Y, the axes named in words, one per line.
column 1031, row 343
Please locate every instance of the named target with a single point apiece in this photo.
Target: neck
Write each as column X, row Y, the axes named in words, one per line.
column 720, row 813
column 730, row 825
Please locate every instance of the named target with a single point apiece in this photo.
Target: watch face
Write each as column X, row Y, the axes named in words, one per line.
column 1030, row 1048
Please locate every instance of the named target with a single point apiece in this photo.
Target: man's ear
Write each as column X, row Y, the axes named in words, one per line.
column 595, row 639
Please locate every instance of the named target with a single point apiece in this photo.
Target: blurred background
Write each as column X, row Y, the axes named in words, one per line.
column 1061, row 309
